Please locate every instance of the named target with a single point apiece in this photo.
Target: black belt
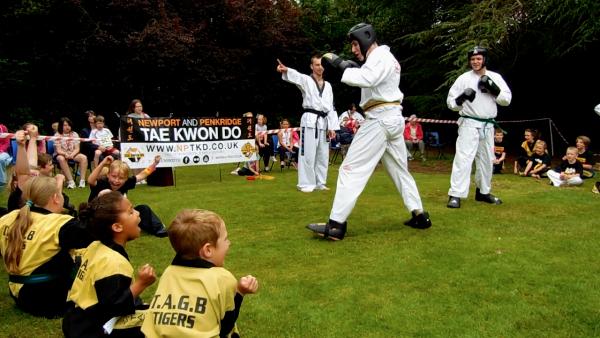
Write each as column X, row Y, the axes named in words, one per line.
column 319, row 113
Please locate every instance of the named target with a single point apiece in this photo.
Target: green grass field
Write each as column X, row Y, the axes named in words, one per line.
column 526, row 268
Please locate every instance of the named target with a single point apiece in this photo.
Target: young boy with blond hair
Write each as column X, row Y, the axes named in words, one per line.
column 103, row 137
column 570, row 171
column 499, row 151
column 585, row 156
column 117, row 178
column 196, row 278
column 539, row 162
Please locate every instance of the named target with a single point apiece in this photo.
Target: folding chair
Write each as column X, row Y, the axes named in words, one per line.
column 432, row 140
column 336, row 148
column 50, row 147
column 288, row 155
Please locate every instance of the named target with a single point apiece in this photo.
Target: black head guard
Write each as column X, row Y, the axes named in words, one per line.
column 477, row 50
column 364, row 34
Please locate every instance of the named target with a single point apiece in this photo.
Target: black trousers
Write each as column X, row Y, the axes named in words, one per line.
column 265, row 153
column 149, row 221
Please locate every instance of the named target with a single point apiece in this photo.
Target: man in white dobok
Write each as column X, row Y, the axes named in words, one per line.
column 318, row 124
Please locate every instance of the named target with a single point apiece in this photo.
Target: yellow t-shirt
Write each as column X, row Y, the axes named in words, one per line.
column 41, row 242
column 98, row 262
column 190, row 302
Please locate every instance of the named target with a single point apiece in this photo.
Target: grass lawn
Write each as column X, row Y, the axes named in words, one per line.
column 526, row 268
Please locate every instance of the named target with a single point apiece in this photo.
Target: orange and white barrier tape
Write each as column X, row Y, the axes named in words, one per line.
column 275, row 131
column 431, row 120
column 53, row 138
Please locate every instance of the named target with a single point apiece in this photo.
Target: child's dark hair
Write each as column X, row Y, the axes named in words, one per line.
column 100, row 214
column 62, row 123
column 535, row 133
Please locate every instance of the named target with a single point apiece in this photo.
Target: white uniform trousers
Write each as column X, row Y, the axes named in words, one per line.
column 475, row 142
column 380, row 137
column 313, row 159
column 554, row 176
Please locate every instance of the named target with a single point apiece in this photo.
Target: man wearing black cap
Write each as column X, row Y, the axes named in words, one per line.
column 380, row 137
column 475, row 95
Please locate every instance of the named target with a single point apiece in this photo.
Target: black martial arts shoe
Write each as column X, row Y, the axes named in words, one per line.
column 331, row 230
column 453, row 202
column 487, row 198
column 420, row 221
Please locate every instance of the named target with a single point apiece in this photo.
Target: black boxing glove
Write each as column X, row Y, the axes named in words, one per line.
column 468, row 94
column 486, row 85
column 334, row 61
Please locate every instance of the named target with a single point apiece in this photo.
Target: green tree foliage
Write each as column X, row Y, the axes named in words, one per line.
column 577, row 22
column 528, row 41
column 60, row 57
column 459, row 27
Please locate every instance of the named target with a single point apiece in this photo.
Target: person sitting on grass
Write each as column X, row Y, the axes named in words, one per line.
column 45, row 167
column 525, row 151
column 585, row 156
column 118, row 179
column 199, row 238
column 499, row 151
column 26, row 158
column 35, row 242
column 103, row 139
column 29, row 164
column 539, row 162
column 104, row 286
column 570, row 171
column 250, row 168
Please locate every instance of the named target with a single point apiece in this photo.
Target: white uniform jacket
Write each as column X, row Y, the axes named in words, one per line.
column 484, row 104
column 378, row 78
column 314, row 98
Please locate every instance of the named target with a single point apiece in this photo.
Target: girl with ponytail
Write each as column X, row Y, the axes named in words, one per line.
column 35, row 241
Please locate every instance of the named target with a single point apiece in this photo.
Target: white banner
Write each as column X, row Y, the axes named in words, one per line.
column 187, row 141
